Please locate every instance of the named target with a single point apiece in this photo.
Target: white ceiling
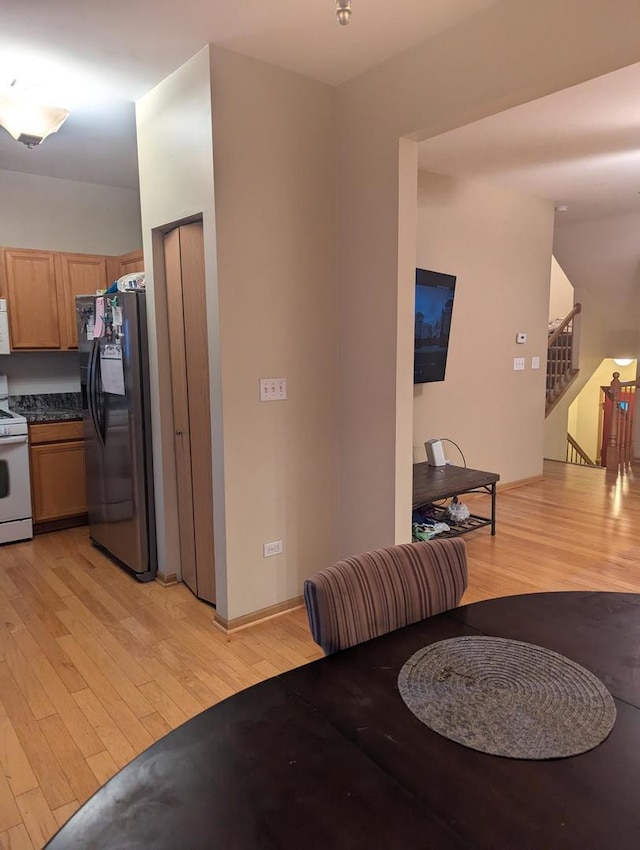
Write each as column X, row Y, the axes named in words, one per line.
column 579, row 147
column 122, row 48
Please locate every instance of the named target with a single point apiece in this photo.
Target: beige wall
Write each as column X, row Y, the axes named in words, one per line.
column 498, row 244
column 271, row 307
column 274, row 154
column 561, row 293
column 275, row 185
column 61, row 215
column 175, row 152
column 501, row 57
column 67, row 215
column 600, row 256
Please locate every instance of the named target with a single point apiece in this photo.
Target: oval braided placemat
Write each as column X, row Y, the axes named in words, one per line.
column 507, row 698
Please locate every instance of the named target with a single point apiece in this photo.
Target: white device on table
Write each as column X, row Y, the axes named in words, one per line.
column 435, row 453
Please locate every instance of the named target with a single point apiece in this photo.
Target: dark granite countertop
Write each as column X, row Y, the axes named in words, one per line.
column 48, row 407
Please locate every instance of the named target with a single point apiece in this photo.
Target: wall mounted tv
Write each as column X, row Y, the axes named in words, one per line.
column 434, row 309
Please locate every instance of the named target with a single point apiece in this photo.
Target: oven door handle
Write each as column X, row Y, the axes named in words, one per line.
column 7, row 441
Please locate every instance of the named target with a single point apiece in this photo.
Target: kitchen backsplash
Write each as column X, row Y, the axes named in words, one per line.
column 45, row 407
column 33, row 372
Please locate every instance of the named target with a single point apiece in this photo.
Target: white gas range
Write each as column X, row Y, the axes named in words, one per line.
column 15, row 487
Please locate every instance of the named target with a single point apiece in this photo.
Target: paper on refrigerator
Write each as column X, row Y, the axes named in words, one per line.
column 111, row 369
column 98, row 324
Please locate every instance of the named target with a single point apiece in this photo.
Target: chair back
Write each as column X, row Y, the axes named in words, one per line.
column 374, row 593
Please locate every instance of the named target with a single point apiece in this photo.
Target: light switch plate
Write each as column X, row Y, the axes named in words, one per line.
column 535, row 362
column 518, row 364
column 273, row 389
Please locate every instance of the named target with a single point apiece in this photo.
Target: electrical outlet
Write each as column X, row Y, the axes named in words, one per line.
column 273, row 389
column 270, row 549
column 518, row 364
column 535, row 362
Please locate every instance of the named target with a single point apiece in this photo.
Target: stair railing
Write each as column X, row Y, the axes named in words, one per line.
column 619, row 442
column 576, row 454
column 562, row 358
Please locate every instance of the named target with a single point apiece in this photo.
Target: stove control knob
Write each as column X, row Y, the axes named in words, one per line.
column 5, row 431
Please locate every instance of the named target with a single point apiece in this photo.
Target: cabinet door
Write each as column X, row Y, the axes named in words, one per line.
column 82, row 274
column 117, row 267
column 130, row 263
column 33, row 299
column 57, row 480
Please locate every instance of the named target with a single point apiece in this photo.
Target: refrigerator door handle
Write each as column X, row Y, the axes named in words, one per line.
column 90, row 387
column 92, row 394
column 100, row 406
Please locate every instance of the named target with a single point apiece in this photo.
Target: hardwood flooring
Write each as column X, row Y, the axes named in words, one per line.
column 94, row 667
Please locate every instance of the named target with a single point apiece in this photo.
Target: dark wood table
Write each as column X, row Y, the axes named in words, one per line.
column 328, row 757
column 432, row 483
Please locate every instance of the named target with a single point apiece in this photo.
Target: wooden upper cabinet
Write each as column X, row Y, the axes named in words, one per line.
column 33, row 299
column 80, row 274
column 41, row 288
column 130, row 263
column 117, row 267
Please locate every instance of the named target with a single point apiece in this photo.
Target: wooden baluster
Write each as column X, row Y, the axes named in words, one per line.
column 613, row 450
column 628, row 424
column 626, row 398
column 622, row 429
column 632, row 412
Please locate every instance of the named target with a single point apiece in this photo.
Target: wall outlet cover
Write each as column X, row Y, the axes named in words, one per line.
column 518, row 364
column 270, row 549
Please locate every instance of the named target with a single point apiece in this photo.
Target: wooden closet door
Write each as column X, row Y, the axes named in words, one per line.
column 182, row 441
column 197, row 358
column 189, row 355
column 82, row 274
column 33, row 299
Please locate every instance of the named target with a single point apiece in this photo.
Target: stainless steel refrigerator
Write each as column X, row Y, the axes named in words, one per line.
column 114, row 378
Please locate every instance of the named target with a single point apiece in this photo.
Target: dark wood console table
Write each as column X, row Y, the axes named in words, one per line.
column 432, row 483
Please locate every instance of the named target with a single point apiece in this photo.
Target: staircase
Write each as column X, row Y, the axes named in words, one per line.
column 562, row 358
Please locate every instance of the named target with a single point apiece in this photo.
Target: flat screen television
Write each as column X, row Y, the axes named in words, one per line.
column 434, row 309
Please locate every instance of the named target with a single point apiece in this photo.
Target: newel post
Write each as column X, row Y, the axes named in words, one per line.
column 613, row 449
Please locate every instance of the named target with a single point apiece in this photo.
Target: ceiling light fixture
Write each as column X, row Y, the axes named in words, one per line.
column 343, row 11
column 27, row 120
column 623, row 361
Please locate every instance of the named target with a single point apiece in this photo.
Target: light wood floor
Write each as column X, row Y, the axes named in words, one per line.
column 94, row 667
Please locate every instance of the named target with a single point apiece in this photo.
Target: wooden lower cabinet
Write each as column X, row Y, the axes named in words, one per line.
column 58, row 493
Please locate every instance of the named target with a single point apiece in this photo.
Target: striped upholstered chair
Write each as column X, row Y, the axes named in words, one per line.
column 376, row 592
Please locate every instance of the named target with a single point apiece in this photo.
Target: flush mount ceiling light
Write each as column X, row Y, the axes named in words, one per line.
column 623, row 361
column 26, row 119
column 343, row 11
